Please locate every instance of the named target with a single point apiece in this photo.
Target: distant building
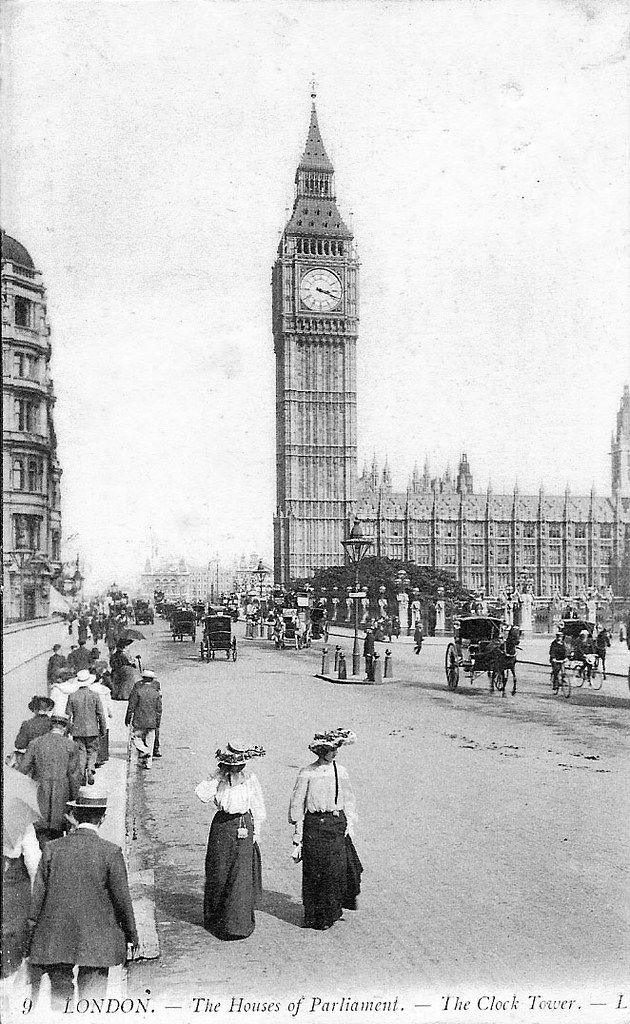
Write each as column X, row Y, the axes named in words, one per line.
column 31, row 523
column 559, row 544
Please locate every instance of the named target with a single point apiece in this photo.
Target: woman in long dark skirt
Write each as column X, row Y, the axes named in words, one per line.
column 233, row 868
column 323, row 812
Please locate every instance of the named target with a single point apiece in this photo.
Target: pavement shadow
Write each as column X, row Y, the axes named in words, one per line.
column 282, row 906
column 181, row 906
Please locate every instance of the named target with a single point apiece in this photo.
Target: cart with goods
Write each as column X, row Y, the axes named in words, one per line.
column 477, row 647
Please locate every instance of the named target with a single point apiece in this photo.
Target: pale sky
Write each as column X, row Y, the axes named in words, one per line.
column 150, row 149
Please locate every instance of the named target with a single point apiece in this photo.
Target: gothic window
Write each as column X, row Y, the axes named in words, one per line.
column 606, row 555
column 298, row 245
column 529, row 554
column 423, row 554
column 555, row 530
column 476, row 554
column 502, row 530
column 605, row 531
column 18, row 475
column 554, row 555
column 580, row 530
column 23, row 312
column 422, row 530
column 581, row 580
column 503, row 555
column 476, row 530
column 450, row 554
column 580, row 554
column 555, row 580
column 56, row 546
column 529, row 531
column 340, row 248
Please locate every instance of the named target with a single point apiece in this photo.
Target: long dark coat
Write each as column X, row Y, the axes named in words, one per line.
column 81, row 903
column 53, row 762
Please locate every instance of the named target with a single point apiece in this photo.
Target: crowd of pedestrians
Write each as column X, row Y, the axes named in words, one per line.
column 65, row 894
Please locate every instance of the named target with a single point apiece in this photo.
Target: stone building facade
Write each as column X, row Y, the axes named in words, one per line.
column 315, row 320
column 31, row 523
column 558, row 544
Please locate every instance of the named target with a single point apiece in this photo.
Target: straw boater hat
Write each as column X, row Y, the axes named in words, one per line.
column 237, row 753
column 148, row 674
column 332, row 739
column 85, row 677
column 39, row 703
column 88, row 798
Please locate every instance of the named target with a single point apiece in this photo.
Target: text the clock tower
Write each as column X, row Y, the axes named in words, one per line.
column 315, row 317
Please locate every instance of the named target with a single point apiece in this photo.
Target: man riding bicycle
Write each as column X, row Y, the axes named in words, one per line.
column 584, row 654
column 558, row 654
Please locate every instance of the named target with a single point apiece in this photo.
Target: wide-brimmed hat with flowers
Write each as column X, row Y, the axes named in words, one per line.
column 237, row 753
column 332, row 739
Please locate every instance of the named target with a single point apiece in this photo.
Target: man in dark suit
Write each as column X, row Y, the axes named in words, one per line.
column 79, row 658
column 81, row 912
column 55, row 663
column 144, row 713
column 53, row 762
column 33, row 727
column 368, row 653
column 88, row 721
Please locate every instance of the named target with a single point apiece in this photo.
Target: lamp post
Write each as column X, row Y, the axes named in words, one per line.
column 356, row 547
column 261, row 571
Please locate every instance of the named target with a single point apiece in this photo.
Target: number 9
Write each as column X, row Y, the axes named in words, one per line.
column 27, row 1006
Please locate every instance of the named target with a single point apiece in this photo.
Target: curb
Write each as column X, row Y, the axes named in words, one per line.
column 141, row 871
column 355, row 680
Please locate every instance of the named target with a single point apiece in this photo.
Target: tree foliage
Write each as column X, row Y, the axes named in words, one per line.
column 375, row 572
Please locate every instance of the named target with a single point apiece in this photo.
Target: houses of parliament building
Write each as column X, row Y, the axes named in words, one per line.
column 557, row 544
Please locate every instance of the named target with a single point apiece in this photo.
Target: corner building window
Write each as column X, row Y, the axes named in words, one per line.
column 23, row 312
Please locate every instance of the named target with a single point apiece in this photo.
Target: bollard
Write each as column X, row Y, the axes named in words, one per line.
column 337, row 653
column 377, row 670
column 342, row 666
column 270, row 631
column 248, row 629
column 388, row 671
column 325, row 665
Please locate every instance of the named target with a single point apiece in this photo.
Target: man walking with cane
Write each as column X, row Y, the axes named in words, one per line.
column 144, row 713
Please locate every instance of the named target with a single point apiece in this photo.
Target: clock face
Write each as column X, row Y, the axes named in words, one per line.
column 320, row 290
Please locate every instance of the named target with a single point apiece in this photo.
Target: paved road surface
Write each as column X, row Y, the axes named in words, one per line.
column 493, row 834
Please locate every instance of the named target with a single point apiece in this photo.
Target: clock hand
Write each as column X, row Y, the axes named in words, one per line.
column 324, row 292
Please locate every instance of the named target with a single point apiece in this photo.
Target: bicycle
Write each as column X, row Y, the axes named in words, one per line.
column 585, row 671
column 560, row 678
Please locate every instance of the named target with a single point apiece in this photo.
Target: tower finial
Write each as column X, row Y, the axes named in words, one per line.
column 313, row 89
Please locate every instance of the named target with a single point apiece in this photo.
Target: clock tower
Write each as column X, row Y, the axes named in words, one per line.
column 315, row 317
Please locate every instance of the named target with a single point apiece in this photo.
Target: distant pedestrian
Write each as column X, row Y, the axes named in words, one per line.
column 88, row 722
column 418, row 637
column 83, row 629
column 233, row 866
column 79, row 658
column 53, row 761
column 369, row 652
column 123, row 674
column 602, row 642
column 144, row 714
column 81, row 912
column 33, row 727
column 323, row 813
column 56, row 663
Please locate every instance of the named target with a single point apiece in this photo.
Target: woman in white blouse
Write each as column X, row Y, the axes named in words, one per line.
column 233, row 867
column 323, row 812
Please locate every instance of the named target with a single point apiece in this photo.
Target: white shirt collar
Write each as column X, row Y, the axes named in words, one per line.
column 87, row 824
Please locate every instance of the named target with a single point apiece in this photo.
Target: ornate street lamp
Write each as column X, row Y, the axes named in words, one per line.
column 261, row 571
column 356, row 547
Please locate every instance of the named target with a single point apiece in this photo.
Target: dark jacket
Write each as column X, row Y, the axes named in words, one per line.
column 55, row 664
column 53, row 763
column 368, row 646
column 602, row 641
column 144, row 711
column 79, row 658
column 39, row 725
column 557, row 651
column 81, row 903
column 86, row 713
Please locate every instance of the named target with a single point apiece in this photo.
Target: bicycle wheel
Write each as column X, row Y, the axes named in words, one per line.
column 578, row 676
column 499, row 679
column 565, row 684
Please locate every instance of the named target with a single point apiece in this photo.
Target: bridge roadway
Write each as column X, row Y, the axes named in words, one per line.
column 493, row 833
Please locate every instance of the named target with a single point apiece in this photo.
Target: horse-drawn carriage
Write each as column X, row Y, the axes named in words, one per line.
column 478, row 646
column 582, row 666
column 184, row 623
column 200, row 610
column 217, row 636
column 292, row 630
column 143, row 613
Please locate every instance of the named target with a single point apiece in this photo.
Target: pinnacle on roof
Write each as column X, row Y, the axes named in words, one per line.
column 314, row 157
